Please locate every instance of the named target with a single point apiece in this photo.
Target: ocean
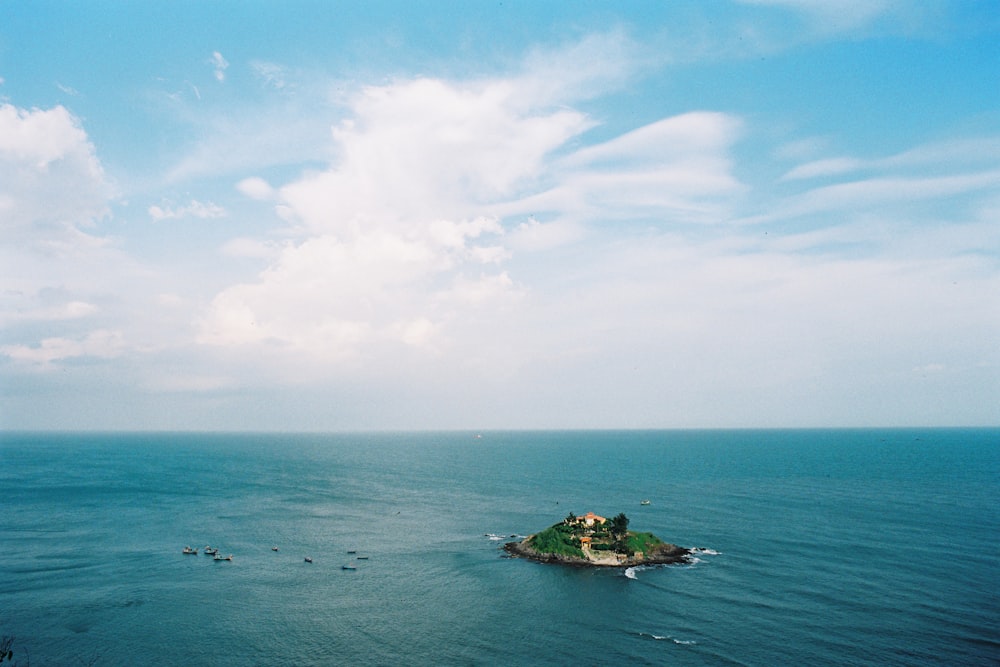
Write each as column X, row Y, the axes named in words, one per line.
column 817, row 547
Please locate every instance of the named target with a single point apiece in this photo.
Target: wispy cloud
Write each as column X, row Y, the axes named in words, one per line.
column 195, row 209
column 67, row 89
column 271, row 74
column 839, row 16
column 220, row 65
column 102, row 343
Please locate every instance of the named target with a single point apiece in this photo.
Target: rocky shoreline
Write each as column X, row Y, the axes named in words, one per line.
column 662, row 554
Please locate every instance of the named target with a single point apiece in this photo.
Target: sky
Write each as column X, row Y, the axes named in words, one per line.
column 321, row 216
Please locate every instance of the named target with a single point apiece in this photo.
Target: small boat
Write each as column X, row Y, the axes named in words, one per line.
column 209, row 551
column 352, row 551
column 348, row 566
column 644, row 502
column 189, row 551
column 362, row 557
column 274, row 548
column 309, row 559
column 218, row 557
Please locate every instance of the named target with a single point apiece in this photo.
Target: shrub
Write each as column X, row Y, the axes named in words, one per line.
column 642, row 541
column 555, row 541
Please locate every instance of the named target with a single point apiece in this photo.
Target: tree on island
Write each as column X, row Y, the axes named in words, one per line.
column 619, row 532
column 619, row 525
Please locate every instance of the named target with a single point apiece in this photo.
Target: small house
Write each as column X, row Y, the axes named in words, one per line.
column 589, row 519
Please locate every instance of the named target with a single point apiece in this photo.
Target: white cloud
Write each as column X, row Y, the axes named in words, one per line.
column 394, row 224
column 945, row 155
column 408, row 224
column 826, row 167
column 67, row 89
column 535, row 236
column 271, row 74
column 830, row 16
column 251, row 248
column 220, row 66
column 51, row 183
column 100, row 343
column 256, row 188
column 51, row 187
column 195, row 209
column 858, row 195
column 69, row 310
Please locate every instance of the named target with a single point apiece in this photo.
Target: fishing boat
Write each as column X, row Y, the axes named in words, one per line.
column 209, row 551
column 188, row 551
column 309, row 559
column 218, row 557
column 349, row 566
column 644, row 502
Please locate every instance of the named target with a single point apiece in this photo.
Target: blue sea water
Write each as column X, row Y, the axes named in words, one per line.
column 840, row 547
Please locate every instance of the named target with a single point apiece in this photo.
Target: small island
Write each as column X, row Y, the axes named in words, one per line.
column 592, row 540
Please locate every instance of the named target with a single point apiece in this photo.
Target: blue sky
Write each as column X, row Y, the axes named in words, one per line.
column 326, row 216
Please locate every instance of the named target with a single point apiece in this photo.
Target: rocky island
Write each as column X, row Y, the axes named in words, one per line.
column 592, row 540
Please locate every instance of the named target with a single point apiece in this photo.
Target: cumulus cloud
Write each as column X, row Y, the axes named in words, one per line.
column 408, row 229
column 51, row 182
column 52, row 189
column 394, row 225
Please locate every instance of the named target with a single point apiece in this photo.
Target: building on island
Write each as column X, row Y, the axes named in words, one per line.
column 589, row 519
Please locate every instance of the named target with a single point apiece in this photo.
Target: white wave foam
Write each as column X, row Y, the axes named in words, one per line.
column 681, row 642
column 705, row 551
column 633, row 572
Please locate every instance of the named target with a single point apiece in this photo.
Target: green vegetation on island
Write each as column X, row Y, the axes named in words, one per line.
column 594, row 540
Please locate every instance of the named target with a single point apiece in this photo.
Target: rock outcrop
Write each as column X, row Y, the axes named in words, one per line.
column 661, row 554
